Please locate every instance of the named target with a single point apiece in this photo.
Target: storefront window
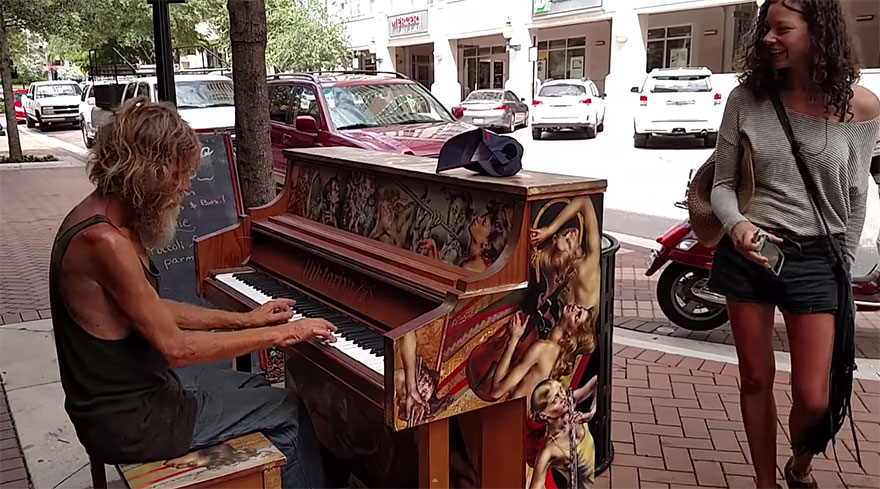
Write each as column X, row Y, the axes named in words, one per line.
column 562, row 58
column 484, row 68
column 669, row 47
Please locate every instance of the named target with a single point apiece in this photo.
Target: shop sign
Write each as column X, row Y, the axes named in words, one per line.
column 547, row 7
column 408, row 24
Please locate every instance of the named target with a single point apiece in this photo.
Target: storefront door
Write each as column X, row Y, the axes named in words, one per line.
column 423, row 70
column 486, row 70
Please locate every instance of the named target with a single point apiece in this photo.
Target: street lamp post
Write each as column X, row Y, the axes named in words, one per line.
column 162, row 40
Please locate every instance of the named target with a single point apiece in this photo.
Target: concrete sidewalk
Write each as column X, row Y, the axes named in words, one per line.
column 37, row 144
column 676, row 420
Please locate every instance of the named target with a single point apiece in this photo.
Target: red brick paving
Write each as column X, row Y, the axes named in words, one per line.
column 32, row 205
column 676, row 423
column 13, row 471
column 635, row 308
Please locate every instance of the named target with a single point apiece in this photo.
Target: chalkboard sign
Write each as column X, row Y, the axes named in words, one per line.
column 213, row 203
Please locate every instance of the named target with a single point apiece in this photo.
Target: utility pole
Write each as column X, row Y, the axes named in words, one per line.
column 164, row 58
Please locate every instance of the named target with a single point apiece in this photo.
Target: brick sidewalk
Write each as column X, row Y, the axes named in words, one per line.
column 636, row 308
column 676, row 423
column 32, row 206
column 13, row 471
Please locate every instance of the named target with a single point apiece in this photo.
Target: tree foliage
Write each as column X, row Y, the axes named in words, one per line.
column 127, row 27
column 302, row 36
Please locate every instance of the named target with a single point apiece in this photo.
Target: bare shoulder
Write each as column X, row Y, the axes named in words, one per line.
column 104, row 245
column 865, row 104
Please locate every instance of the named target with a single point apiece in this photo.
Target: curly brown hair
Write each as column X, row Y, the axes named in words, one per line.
column 834, row 68
column 139, row 151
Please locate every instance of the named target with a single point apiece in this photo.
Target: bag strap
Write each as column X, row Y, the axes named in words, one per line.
column 812, row 189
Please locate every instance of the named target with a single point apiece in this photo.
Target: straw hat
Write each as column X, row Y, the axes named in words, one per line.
column 707, row 227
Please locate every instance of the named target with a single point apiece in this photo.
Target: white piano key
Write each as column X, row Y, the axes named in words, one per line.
column 362, row 355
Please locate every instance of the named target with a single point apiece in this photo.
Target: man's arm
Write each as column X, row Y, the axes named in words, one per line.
column 192, row 317
column 117, row 268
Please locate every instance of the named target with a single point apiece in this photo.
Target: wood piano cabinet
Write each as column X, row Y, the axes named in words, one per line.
column 467, row 308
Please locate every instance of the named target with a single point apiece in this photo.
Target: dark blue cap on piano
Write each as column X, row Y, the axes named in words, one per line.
column 482, row 151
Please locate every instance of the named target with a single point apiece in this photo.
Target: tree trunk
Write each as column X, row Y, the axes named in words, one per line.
column 9, row 96
column 247, row 34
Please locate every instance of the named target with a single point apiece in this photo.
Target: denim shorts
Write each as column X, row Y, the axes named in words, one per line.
column 806, row 284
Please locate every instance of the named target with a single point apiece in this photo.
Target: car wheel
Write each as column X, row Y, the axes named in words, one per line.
column 511, row 126
column 601, row 127
column 44, row 126
column 29, row 122
column 536, row 133
column 711, row 140
column 640, row 140
column 87, row 141
column 590, row 132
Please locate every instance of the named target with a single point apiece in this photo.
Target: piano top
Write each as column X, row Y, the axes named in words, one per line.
column 525, row 183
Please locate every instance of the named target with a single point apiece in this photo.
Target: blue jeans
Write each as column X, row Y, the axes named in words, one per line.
column 233, row 404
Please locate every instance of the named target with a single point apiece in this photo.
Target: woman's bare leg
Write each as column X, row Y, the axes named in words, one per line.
column 811, row 337
column 752, row 325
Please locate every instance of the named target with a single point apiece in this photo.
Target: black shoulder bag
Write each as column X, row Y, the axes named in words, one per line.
column 843, row 355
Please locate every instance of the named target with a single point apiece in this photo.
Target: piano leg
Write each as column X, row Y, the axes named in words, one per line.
column 434, row 454
column 502, row 461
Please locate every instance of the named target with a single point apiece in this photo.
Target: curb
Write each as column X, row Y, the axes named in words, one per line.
column 42, row 165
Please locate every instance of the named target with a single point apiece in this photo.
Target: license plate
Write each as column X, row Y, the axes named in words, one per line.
column 678, row 130
column 478, row 120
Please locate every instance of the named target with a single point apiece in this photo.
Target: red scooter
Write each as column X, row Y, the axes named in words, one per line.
column 682, row 290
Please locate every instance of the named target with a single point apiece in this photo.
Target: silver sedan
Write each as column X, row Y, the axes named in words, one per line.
column 499, row 109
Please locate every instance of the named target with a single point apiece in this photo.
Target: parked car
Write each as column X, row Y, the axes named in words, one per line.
column 500, row 109
column 52, row 102
column 372, row 110
column 19, row 109
column 568, row 105
column 204, row 101
column 87, row 101
column 677, row 102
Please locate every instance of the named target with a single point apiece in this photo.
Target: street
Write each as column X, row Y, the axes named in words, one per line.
column 643, row 184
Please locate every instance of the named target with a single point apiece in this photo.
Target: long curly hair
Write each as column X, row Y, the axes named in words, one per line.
column 833, row 69
column 137, row 153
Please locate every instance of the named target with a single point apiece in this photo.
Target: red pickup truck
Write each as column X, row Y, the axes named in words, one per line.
column 372, row 110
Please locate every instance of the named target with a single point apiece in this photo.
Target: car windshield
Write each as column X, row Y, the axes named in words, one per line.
column 374, row 105
column 57, row 90
column 480, row 96
column 203, row 93
column 666, row 84
column 562, row 91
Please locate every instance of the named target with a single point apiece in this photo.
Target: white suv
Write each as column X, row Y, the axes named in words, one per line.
column 568, row 104
column 677, row 102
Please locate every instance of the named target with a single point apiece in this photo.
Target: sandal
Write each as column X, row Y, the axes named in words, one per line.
column 796, row 483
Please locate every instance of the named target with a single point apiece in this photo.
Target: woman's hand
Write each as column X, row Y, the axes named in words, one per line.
column 538, row 236
column 746, row 236
column 517, row 325
column 428, row 247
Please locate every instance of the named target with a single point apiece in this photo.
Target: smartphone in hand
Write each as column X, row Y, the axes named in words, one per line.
column 768, row 249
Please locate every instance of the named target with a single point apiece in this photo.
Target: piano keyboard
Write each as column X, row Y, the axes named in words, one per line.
column 352, row 338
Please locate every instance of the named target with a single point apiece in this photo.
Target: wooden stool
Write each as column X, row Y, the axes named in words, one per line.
column 250, row 461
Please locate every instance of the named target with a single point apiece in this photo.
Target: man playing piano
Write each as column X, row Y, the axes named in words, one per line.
column 117, row 341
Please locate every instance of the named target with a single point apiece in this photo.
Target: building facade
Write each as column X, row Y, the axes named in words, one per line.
column 456, row 46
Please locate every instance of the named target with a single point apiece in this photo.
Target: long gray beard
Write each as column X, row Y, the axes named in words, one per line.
column 157, row 228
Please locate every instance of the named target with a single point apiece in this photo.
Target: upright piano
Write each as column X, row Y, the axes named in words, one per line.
column 462, row 302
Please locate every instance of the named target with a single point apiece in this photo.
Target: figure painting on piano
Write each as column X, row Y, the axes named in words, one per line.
column 460, row 228
column 567, row 435
column 524, row 343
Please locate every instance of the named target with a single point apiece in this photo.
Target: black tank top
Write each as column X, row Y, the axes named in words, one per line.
column 126, row 404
